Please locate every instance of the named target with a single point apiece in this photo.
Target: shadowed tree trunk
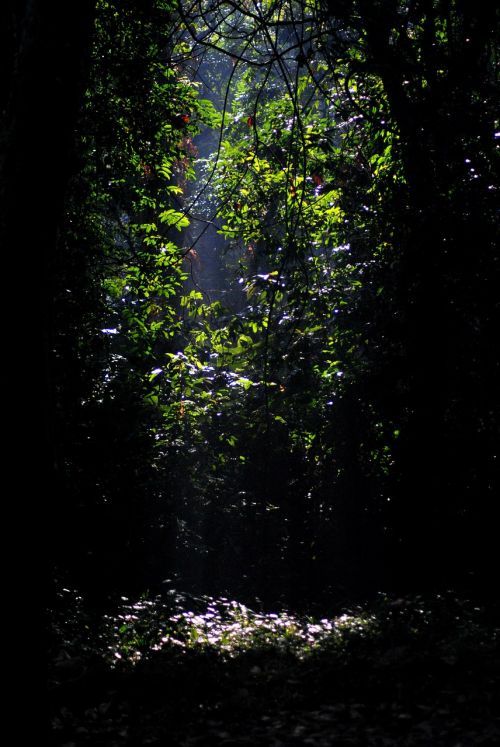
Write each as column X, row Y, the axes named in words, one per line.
column 46, row 51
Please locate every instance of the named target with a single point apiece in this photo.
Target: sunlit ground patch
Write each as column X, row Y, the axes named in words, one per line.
column 227, row 626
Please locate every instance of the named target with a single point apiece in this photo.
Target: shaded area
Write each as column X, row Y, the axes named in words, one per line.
column 405, row 671
column 338, row 437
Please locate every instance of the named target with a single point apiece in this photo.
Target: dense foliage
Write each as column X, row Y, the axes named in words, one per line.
column 117, row 274
column 313, row 426
column 343, row 415
column 327, row 423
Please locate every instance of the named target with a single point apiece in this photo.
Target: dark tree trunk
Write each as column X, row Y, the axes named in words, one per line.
column 46, row 51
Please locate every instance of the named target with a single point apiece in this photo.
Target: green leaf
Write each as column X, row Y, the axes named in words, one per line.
column 173, row 218
column 245, row 383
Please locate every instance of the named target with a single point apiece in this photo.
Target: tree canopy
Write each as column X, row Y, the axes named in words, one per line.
column 326, row 421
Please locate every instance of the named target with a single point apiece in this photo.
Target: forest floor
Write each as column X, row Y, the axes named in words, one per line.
column 408, row 671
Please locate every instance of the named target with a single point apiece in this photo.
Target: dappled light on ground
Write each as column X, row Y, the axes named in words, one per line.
column 228, row 627
column 412, row 671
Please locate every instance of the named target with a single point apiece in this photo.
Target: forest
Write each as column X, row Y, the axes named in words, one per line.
column 256, row 425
